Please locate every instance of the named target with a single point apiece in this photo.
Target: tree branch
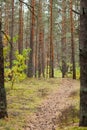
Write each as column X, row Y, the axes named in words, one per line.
column 7, row 37
column 76, row 12
column 25, row 3
column 28, row 6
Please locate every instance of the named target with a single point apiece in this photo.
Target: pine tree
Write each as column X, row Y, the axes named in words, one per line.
column 31, row 68
column 12, row 31
column 20, row 38
column 63, row 40
column 83, row 63
column 72, row 41
column 51, row 74
column 3, row 103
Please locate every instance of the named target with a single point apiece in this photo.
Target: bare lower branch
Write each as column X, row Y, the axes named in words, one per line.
column 28, row 6
column 76, row 12
column 7, row 38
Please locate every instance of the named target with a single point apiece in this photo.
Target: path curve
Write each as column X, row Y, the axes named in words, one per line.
column 51, row 108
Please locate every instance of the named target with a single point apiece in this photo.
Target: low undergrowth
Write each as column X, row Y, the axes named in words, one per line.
column 24, row 99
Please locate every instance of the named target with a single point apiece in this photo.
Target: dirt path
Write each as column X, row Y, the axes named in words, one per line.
column 44, row 118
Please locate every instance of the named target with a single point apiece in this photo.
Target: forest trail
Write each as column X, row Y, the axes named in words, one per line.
column 49, row 112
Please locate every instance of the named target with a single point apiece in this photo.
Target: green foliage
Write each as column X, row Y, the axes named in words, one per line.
column 78, row 72
column 57, row 73
column 73, row 128
column 15, row 38
column 17, row 72
column 78, row 128
column 6, row 52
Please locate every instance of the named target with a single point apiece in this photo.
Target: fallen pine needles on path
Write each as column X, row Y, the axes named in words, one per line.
column 58, row 110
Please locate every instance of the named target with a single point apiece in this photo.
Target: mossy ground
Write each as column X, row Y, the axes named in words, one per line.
column 24, row 99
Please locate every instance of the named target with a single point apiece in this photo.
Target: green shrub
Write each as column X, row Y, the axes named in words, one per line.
column 17, row 72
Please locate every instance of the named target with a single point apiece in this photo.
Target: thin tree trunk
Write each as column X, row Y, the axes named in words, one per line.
column 51, row 42
column 20, row 38
column 12, row 30
column 83, row 63
column 43, row 59
column 47, row 69
column 36, row 50
column 40, row 41
column 48, row 51
column 72, row 41
column 63, row 39
column 31, row 55
column 27, row 32
column 6, row 25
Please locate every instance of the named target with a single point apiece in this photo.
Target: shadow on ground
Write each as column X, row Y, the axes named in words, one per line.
column 67, row 116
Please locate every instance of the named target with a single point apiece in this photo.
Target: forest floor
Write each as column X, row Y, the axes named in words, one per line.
column 43, row 104
column 58, row 110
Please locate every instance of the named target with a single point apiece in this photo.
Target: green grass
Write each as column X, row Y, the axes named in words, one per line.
column 73, row 128
column 24, row 99
column 78, row 128
column 58, row 73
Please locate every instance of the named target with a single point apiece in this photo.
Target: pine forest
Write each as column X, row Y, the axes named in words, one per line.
column 43, row 65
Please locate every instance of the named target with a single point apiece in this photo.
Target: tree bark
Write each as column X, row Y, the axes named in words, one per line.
column 20, row 38
column 3, row 103
column 72, row 41
column 36, row 49
column 51, row 73
column 63, row 39
column 32, row 31
column 41, row 44
column 6, row 24
column 83, row 63
column 12, row 30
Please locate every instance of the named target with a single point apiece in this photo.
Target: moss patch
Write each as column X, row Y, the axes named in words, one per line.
column 24, row 99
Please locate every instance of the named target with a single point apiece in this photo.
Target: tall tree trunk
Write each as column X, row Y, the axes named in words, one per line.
column 20, row 38
column 3, row 103
column 6, row 24
column 12, row 30
column 72, row 41
column 83, row 63
column 31, row 55
column 47, row 64
column 40, row 52
column 48, row 50
column 63, row 39
column 36, row 50
column 43, row 59
column 51, row 42
column 27, row 31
